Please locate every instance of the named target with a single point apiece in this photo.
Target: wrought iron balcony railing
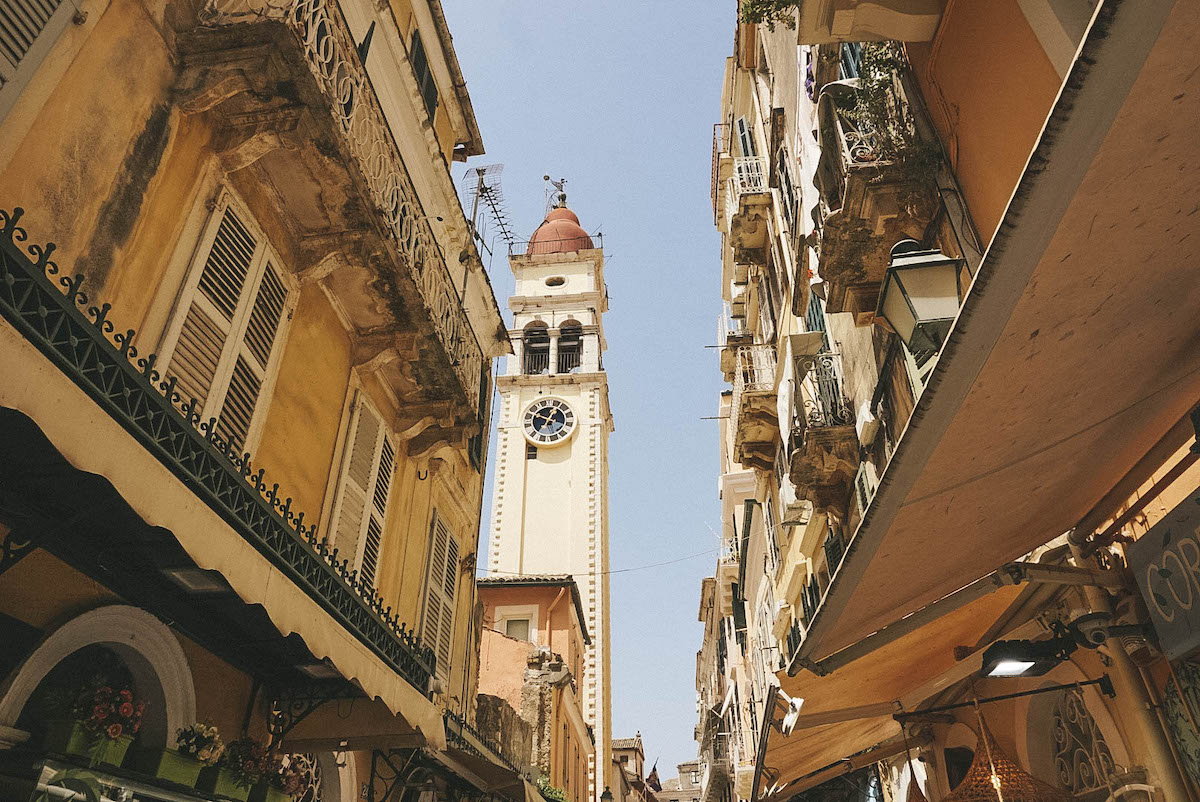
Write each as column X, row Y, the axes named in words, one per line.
column 822, row 397
column 329, row 51
column 755, row 373
column 53, row 313
column 721, row 134
column 528, row 247
column 461, row 735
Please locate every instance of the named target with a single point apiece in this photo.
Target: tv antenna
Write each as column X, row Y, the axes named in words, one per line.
column 481, row 186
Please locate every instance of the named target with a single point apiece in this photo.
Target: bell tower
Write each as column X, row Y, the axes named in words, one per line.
column 550, row 501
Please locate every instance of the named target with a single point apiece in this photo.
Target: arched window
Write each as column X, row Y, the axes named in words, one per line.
column 570, row 346
column 536, row 349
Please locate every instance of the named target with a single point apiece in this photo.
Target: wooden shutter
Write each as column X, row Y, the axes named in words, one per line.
column 745, row 137
column 423, row 73
column 360, row 511
column 441, row 587
column 226, row 342
column 28, row 28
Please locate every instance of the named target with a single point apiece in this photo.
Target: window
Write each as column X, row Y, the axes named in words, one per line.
column 787, row 190
column 850, row 60
column 224, row 343
column 745, row 137
column 530, row 451
column 28, row 29
column 517, row 628
column 423, row 73
column 441, row 588
column 360, row 509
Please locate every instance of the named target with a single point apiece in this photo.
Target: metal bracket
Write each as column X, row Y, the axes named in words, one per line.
column 291, row 705
column 15, row 547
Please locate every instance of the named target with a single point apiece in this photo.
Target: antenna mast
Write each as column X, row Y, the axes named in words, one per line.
column 481, row 186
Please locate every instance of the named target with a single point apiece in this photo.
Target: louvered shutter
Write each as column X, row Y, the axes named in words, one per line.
column 252, row 357
column 360, row 512
column 441, row 588
column 224, row 347
column 28, row 28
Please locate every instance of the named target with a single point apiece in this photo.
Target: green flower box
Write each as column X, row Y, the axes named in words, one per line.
column 267, row 793
column 166, row 764
column 71, row 738
column 219, row 780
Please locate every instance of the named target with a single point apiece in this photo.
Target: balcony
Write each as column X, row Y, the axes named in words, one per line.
column 824, row 447
column 877, row 187
column 747, row 208
column 731, row 338
column 96, row 353
column 720, row 168
column 292, row 108
column 753, row 413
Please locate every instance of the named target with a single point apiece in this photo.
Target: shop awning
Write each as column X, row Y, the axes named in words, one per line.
column 1077, row 348
column 110, row 505
column 850, row 710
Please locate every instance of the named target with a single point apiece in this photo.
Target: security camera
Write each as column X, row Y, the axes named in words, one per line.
column 1091, row 629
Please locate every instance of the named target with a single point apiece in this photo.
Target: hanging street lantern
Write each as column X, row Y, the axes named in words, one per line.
column 922, row 292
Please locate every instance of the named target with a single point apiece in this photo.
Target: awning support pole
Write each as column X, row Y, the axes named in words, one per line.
column 1133, row 695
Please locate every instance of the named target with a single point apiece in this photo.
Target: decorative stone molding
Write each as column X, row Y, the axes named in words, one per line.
column 329, row 51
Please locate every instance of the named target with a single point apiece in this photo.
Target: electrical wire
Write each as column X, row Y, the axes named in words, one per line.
column 618, row 570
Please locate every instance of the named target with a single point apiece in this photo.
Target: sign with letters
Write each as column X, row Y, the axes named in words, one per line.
column 1166, row 563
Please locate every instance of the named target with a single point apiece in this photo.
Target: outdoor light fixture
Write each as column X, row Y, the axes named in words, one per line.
column 922, row 291
column 1025, row 658
column 607, row 796
column 1033, row 658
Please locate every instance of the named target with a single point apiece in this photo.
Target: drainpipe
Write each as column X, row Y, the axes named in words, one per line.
column 550, row 617
column 1133, row 697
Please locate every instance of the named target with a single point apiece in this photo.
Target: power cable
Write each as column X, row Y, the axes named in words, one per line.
column 618, row 570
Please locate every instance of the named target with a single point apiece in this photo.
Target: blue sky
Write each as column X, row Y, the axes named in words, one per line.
column 620, row 98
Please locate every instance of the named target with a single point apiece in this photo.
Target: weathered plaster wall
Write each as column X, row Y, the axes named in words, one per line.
column 302, row 424
column 502, row 666
column 82, row 169
column 989, row 86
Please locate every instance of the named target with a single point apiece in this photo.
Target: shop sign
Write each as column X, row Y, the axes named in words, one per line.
column 1166, row 564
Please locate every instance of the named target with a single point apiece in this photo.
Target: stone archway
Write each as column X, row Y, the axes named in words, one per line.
column 147, row 647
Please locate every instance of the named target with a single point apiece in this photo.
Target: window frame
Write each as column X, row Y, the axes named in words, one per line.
column 190, row 289
column 518, row 612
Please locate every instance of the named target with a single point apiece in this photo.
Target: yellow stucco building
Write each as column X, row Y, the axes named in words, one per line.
column 244, row 441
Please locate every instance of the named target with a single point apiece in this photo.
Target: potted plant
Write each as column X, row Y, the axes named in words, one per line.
column 282, row 782
column 242, row 765
column 99, row 725
column 196, row 747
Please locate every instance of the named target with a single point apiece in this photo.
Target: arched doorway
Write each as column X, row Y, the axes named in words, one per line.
column 125, row 639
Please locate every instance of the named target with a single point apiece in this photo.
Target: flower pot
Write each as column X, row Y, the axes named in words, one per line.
column 219, row 780
column 264, row 792
column 166, row 764
column 71, row 738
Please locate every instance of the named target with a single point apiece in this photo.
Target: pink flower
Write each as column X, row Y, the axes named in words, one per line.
column 114, row 731
column 126, row 709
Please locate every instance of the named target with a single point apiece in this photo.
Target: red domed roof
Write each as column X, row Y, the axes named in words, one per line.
column 559, row 233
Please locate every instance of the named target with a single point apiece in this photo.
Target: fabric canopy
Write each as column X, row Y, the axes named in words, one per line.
column 1075, row 351
column 95, row 444
column 851, row 710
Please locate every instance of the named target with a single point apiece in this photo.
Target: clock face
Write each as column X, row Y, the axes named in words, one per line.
column 548, row 421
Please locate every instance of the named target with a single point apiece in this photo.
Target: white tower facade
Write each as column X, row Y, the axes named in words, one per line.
column 550, row 502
